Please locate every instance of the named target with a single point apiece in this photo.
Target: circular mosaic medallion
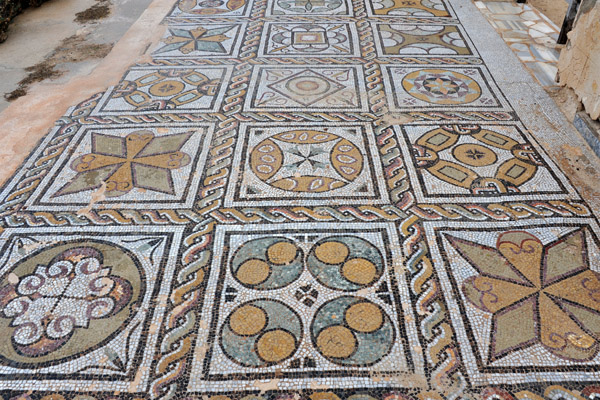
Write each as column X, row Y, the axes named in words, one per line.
column 166, row 88
column 306, row 161
column 261, row 333
column 438, row 86
column 352, row 331
column 345, row 263
column 267, row 263
column 474, row 155
column 311, row 85
column 66, row 300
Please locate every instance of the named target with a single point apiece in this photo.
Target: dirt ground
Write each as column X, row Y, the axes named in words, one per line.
column 555, row 10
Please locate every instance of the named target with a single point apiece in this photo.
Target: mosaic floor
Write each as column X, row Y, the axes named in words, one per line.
column 304, row 199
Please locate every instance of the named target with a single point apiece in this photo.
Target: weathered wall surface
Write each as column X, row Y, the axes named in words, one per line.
column 579, row 63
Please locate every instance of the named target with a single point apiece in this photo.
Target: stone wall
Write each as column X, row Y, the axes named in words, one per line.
column 579, row 63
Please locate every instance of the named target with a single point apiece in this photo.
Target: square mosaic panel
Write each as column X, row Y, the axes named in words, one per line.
column 473, row 162
column 310, row 7
column 408, row 8
column 307, row 88
column 207, row 40
column 211, row 9
column 309, row 39
column 144, row 167
column 167, row 89
column 305, row 304
column 523, row 298
column 307, row 164
column 81, row 311
column 421, row 40
column 442, row 88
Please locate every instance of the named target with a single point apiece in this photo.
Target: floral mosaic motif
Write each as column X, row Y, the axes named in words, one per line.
column 308, row 39
column 210, row 39
column 312, row 164
column 550, row 289
column 140, row 160
column 417, row 8
column 306, row 161
column 309, row 7
column 436, row 40
column 48, row 306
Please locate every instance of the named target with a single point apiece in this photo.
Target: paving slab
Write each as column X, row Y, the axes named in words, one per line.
column 300, row 199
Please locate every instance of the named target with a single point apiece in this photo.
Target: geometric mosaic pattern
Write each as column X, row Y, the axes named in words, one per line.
column 300, row 199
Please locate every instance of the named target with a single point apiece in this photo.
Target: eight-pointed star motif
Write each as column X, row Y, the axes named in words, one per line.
column 536, row 293
column 139, row 160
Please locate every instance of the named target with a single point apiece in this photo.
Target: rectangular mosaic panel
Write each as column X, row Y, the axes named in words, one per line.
column 307, row 39
column 522, row 297
column 399, row 40
column 82, row 310
column 209, row 40
column 412, row 8
column 441, row 88
column 138, row 166
column 308, row 164
column 474, row 162
column 307, row 88
column 168, row 89
column 328, row 305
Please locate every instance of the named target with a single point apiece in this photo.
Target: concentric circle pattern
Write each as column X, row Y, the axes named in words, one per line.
column 260, row 333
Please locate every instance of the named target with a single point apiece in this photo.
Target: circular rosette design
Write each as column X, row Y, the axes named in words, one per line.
column 267, row 263
column 352, row 331
column 474, row 155
column 260, row 333
column 345, row 263
column 438, row 86
column 306, row 161
column 67, row 300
